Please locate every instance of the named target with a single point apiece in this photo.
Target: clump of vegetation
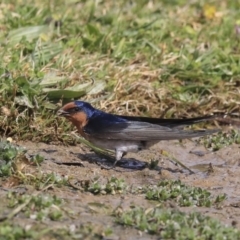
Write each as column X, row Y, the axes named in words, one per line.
column 222, row 139
column 13, row 159
column 173, row 224
column 39, row 207
column 112, row 186
column 9, row 231
column 42, row 180
column 183, row 195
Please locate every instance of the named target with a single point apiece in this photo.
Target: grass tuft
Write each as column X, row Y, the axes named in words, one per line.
column 183, row 195
column 172, row 224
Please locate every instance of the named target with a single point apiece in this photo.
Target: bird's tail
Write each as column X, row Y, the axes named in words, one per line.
column 169, row 122
column 191, row 133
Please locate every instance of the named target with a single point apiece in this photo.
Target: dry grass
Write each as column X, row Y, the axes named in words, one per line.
column 150, row 64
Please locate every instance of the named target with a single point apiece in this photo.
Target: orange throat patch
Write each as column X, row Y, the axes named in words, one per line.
column 80, row 121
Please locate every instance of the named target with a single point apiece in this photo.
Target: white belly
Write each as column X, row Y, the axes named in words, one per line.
column 125, row 146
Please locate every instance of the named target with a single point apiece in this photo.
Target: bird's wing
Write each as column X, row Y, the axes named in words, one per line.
column 168, row 122
column 142, row 131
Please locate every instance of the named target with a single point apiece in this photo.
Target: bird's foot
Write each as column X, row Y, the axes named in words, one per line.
column 113, row 167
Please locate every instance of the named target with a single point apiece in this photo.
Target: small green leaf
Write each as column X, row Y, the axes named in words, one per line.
column 63, row 93
column 93, row 30
column 51, row 79
column 30, row 33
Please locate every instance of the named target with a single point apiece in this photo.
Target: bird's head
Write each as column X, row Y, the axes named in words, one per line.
column 78, row 112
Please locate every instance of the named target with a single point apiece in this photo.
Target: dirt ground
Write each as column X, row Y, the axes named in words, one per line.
column 223, row 179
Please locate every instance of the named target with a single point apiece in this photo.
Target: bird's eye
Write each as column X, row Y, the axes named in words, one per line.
column 76, row 109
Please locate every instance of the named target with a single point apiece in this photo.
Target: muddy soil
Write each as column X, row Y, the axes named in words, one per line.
column 218, row 172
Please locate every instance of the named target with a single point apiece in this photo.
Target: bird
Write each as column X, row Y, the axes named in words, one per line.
column 125, row 134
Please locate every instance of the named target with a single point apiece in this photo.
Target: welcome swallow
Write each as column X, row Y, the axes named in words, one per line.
column 127, row 133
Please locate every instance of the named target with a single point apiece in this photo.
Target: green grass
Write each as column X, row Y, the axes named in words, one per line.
column 14, row 159
column 134, row 55
column 173, row 224
column 221, row 140
column 183, row 195
column 13, row 231
column 37, row 207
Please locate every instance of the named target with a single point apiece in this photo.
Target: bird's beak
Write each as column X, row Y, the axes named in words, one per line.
column 62, row 113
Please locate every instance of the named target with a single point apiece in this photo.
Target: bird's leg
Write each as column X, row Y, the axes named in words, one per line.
column 118, row 156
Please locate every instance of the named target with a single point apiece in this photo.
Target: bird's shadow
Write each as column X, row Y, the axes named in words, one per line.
column 126, row 163
column 129, row 163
